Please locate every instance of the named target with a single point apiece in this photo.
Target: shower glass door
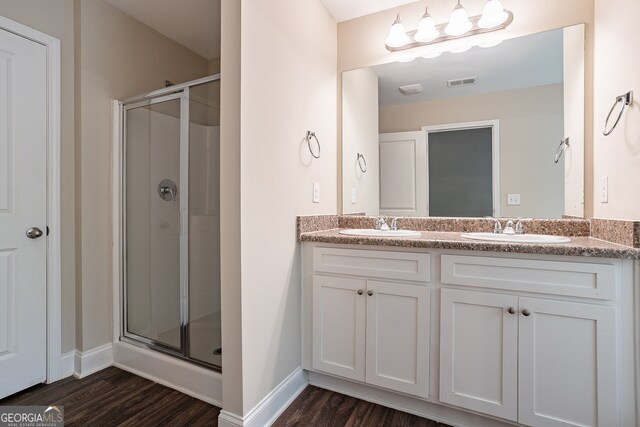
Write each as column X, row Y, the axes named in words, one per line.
column 154, row 288
column 171, row 223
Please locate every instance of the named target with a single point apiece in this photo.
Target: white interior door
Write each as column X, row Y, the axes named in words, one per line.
column 23, row 199
column 403, row 174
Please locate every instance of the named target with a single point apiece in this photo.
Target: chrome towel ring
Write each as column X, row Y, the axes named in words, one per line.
column 309, row 136
column 625, row 100
column 362, row 160
column 563, row 146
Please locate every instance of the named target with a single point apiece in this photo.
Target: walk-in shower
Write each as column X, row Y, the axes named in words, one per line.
column 170, row 221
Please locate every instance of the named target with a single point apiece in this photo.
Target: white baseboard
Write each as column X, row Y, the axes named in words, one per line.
column 436, row 412
column 94, row 360
column 185, row 377
column 272, row 406
column 68, row 364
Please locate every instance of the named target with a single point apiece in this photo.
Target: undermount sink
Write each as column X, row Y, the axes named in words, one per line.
column 368, row 232
column 517, row 238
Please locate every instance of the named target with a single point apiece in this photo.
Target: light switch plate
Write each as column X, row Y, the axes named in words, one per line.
column 354, row 196
column 316, row 192
column 513, row 199
column 604, row 189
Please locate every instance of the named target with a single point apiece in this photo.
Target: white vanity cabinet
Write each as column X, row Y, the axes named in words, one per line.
column 373, row 329
column 474, row 338
column 539, row 361
column 535, row 361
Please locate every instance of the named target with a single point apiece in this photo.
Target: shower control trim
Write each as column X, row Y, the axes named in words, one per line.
column 167, row 190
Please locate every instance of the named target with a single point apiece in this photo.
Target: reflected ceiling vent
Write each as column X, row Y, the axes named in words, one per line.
column 411, row 89
column 462, row 82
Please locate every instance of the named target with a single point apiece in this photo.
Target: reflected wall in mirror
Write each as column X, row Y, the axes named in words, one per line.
column 469, row 134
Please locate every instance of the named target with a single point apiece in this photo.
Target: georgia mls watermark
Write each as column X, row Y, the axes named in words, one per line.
column 31, row 416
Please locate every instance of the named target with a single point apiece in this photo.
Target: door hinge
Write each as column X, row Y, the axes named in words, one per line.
column 47, row 230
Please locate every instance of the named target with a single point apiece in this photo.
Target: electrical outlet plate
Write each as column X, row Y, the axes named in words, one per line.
column 604, row 189
column 316, row 192
column 513, row 199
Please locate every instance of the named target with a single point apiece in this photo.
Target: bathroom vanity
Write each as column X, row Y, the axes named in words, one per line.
column 473, row 333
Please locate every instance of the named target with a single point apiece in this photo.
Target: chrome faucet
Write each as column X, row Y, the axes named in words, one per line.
column 381, row 224
column 497, row 227
column 394, row 223
column 519, row 227
column 508, row 229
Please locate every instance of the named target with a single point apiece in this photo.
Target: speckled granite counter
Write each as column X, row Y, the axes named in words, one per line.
column 579, row 245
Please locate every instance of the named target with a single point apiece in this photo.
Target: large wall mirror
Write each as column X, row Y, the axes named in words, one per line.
column 469, row 134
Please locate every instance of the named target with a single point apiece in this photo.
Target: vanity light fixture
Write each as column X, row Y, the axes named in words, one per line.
column 427, row 30
column 397, row 35
column 493, row 14
column 459, row 22
column 494, row 17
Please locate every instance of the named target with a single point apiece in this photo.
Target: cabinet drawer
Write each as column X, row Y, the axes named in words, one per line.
column 386, row 265
column 578, row 279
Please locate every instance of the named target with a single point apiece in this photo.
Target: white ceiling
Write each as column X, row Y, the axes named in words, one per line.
column 194, row 24
column 522, row 62
column 344, row 10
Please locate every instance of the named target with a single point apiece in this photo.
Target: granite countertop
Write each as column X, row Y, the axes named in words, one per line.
column 579, row 246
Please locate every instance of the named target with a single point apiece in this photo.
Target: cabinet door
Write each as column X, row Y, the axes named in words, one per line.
column 479, row 352
column 398, row 337
column 567, row 364
column 339, row 326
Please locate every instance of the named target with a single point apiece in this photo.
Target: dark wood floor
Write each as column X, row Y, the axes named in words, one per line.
column 113, row 397
column 319, row 407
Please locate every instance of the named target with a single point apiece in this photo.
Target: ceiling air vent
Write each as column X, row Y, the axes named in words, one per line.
column 410, row 89
column 462, row 82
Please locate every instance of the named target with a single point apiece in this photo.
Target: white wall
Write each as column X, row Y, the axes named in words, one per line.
column 616, row 71
column 288, row 86
column 360, row 135
column 531, row 126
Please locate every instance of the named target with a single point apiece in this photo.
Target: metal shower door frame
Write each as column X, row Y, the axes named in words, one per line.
column 183, row 351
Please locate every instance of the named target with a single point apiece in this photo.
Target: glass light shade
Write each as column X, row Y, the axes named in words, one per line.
column 459, row 22
column 493, row 14
column 397, row 35
column 427, row 30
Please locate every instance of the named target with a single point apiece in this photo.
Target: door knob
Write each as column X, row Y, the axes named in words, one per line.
column 526, row 312
column 511, row 310
column 360, row 292
column 370, row 293
column 34, row 233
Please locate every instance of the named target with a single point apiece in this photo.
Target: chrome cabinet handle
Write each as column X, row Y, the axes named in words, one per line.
column 526, row 312
column 511, row 310
column 370, row 293
column 34, row 233
column 360, row 292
